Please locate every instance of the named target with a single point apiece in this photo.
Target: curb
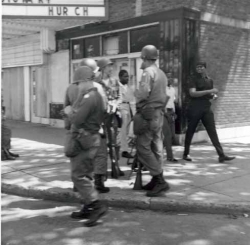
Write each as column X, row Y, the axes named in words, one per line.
column 136, row 202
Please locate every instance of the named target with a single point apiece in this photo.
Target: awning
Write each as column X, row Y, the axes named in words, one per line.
column 14, row 28
column 26, row 17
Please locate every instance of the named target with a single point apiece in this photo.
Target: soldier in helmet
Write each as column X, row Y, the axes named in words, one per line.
column 86, row 116
column 111, row 119
column 148, row 121
column 100, row 163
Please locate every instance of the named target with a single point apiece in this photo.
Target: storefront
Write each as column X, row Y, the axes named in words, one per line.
column 174, row 33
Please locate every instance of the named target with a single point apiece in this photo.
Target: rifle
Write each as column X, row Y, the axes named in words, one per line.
column 112, row 145
column 136, row 166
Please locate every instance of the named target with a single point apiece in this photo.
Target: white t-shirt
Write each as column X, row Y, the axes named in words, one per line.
column 170, row 91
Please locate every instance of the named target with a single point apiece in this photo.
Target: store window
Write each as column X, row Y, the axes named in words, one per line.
column 110, row 45
column 92, row 47
column 144, row 36
column 77, row 49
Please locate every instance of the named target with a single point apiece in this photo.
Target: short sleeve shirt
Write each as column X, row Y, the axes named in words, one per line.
column 201, row 83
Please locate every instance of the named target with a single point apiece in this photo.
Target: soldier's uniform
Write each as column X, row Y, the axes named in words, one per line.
column 148, row 121
column 86, row 117
column 111, row 89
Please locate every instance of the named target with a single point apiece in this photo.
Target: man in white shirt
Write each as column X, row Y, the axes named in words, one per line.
column 126, row 113
column 169, row 121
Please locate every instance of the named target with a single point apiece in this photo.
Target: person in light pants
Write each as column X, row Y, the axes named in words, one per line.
column 126, row 112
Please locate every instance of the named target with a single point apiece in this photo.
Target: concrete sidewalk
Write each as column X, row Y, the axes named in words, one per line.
column 204, row 185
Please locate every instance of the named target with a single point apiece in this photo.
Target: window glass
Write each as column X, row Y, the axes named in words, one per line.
column 142, row 37
column 92, row 47
column 77, row 49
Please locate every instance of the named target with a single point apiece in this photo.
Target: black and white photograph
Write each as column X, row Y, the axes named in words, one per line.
column 125, row 122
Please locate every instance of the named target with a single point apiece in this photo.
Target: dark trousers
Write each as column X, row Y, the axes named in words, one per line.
column 200, row 110
column 168, row 130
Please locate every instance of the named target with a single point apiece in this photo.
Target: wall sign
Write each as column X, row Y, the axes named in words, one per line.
column 50, row 9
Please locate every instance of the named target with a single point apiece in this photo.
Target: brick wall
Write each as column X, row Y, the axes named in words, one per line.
column 227, row 52
column 121, row 10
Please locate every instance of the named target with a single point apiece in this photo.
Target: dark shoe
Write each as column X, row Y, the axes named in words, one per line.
column 13, row 155
column 121, row 173
column 172, row 160
column 225, row 158
column 6, row 155
column 84, row 213
column 98, row 211
column 187, row 158
column 99, row 184
column 150, row 185
column 160, row 186
column 126, row 154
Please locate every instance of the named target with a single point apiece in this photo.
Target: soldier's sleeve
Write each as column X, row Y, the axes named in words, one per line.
column 66, row 99
column 120, row 98
column 145, row 87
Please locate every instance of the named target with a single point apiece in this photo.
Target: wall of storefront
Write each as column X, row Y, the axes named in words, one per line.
column 224, row 44
column 33, row 82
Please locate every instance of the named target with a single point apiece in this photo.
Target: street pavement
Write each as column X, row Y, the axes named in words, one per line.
column 28, row 221
column 204, row 185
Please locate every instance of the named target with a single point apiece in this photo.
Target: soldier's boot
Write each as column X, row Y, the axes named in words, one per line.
column 160, row 186
column 97, row 211
column 13, row 154
column 7, row 155
column 99, row 184
column 117, row 151
column 150, row 185
column 84, row 213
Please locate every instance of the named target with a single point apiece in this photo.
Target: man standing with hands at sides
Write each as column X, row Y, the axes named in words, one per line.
column 202, row 91
column 126, row 111
column 111, row 88
column 169, row 121
column 148, row 121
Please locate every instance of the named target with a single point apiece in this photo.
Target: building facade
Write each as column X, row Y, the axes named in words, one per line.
column 183, row 31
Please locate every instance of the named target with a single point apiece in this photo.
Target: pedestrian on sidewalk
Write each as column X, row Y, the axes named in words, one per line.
column 126, row 111
column 202, row 91
column 86, row 116
column 169, row 121
column 148, row 121
column 6, row 154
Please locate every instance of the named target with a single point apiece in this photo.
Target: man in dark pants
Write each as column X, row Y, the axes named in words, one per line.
column 148, row 121
column 201, row 91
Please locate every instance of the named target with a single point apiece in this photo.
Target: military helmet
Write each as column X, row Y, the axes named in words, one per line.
column 149, row 52
column 91, row 63
column 102, row 63
column 83, row 73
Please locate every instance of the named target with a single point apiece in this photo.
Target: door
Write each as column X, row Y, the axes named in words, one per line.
column 13, row 93
column 39, row 94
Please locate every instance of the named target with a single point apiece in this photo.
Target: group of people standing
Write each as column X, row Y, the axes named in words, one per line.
column 96, row 105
